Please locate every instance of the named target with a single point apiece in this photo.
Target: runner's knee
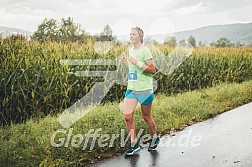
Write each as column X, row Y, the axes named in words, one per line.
column 128, row 118
column 146, row 117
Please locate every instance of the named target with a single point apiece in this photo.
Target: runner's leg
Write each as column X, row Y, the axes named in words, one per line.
column 129, row 108
column 146, row 114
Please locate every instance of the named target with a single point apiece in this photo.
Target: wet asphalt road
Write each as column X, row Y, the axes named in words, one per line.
column 223, row 141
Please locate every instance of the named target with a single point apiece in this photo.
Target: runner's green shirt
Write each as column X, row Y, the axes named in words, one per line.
column 144, row 79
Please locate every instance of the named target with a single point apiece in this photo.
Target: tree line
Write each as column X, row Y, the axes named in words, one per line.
column 222, row 42
column 66, row 30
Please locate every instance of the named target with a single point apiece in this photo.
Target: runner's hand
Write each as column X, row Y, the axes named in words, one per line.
column 123, row 59
column 132, row 60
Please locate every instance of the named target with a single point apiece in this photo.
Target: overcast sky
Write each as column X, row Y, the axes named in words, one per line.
column 154, row 16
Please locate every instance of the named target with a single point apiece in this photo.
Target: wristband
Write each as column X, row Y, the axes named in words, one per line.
column 139, row 64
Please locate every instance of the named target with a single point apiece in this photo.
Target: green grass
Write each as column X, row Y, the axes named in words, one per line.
column 29, row 144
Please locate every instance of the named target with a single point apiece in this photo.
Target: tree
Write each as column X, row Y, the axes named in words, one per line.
column 192, row 40
column 182, row 41
column 66, row 31
column 170, row 41
column 47, row 30
column 223, row 42
column 213, row 44
column 107, row 34
column 70, row 31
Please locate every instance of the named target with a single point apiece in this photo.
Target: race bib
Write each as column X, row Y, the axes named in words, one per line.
column 132, row 76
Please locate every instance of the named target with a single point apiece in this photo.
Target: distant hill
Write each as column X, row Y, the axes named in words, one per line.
column 5, row 31
column 239, row 32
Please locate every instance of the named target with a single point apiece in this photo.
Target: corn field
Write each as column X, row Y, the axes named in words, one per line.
column 33, row 83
